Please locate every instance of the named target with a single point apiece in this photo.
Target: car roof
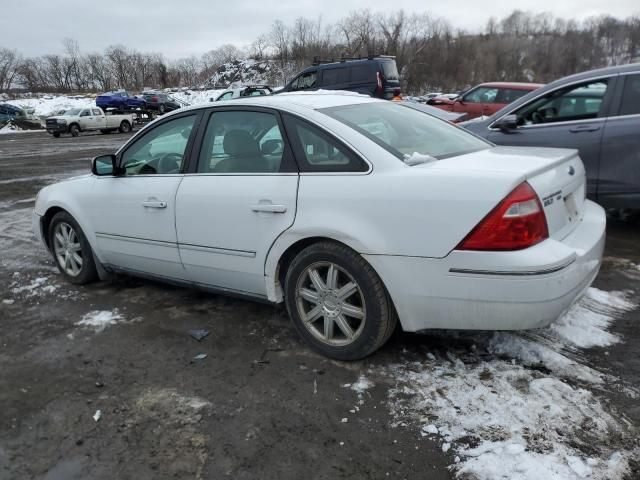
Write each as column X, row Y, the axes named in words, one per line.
column 514, row 85
column 300, row 100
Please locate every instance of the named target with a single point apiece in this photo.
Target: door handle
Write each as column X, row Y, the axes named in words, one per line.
column 584, row 128
column 269, row 207
column 154, row 204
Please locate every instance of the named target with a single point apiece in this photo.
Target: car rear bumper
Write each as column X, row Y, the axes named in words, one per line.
column 518, row 290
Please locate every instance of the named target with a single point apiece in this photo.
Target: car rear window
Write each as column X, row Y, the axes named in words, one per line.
column 390, row 70
column 405, row 132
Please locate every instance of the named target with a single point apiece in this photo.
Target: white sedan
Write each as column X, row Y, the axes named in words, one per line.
column 355, row 212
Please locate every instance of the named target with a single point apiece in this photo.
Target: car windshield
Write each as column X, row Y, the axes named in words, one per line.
column 390, row 70
column 405, row 132
column 72, row 112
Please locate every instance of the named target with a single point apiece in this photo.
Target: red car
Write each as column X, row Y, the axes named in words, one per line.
column 485, row 99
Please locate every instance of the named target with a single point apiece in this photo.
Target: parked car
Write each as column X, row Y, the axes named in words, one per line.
column 120, row 100
column 376, row 76
column 160, row 102
column 243, row 92
column 485, row 99
column 21, row 117
column 9, row 112
column 355, row 212
column 596, row 112
column 78, row 120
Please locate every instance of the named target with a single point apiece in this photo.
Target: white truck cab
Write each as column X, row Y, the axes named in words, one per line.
column 86, row 119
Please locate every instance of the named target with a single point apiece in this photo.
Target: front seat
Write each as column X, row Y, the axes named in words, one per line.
column 244, row 154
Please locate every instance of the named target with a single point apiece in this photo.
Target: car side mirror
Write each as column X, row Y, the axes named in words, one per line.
column 507, row 124
column 104, row 165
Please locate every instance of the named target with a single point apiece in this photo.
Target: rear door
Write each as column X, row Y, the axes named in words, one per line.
column 334, row 78
column 619, row 172
column 570, row 117
column 238, row 199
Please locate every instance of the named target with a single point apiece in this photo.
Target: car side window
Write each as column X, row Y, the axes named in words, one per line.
column 631, row 95
column 317, row 151
column 508, row 95
column 576, row 102
column 481, row 95
column 225, row 96
column 85, row 113
column 361, row 73
column 96, row 111
column 242, row 142
column 161, row 150
column 304, row 81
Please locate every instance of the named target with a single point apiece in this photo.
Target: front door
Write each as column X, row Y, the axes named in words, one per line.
column 569, row 117
column 241, row 199
column 474, row 103
column 135, row 212
column 87, row 120
column 619, row 174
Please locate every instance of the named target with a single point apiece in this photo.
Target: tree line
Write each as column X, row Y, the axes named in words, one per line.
column 431, row 53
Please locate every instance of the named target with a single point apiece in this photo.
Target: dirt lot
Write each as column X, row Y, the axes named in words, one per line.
column 563, row 401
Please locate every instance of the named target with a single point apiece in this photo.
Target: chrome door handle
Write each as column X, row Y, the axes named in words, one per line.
column 154, row 204
column 269, row 207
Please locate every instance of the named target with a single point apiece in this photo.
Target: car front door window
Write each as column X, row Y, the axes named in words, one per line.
column 576, row 102
column 481, row 95
column 160, row 151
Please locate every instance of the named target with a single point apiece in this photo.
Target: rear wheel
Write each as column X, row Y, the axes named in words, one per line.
column 337, row 302
column 71, row 250
column 125, row 127
column 74, row 130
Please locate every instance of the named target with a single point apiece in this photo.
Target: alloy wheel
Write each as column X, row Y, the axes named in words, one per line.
column 67, row 249
column 330, row 304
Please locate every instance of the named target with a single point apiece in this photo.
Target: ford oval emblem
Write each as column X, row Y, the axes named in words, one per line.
column 571, row 170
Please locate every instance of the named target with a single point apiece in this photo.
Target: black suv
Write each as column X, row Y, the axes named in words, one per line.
column 375, row 76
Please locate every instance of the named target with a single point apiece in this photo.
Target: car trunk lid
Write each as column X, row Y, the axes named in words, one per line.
column 557, row 176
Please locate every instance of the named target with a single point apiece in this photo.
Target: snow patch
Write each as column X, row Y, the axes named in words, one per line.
column 101, row 319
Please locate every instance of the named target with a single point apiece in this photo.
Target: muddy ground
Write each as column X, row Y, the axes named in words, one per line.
column 260, row 405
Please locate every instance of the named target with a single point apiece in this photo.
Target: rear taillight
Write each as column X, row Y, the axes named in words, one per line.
column 517, row 222
column 154, row 99
column 379, row 80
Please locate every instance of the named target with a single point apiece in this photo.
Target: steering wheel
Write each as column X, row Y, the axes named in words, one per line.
column 536, row 118
column 170, row 163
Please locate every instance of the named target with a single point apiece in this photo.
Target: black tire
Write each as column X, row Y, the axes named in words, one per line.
column 380, row 318
column 87, row 271
column 125, row 127
column 56, row 134
column 74, row 130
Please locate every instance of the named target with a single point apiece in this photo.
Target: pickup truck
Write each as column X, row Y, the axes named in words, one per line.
column 79, row 120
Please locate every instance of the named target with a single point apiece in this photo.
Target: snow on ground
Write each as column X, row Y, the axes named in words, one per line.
column 11, row 128
column 503, row 419
column 101, row 319
column 47, row 106
column 196, row 97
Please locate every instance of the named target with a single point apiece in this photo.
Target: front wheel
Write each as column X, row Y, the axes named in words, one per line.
column 125, row 127
column 337, row 302
column 74, row 131
column 71, row 250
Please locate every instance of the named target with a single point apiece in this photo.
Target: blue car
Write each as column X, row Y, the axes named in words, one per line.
column 9, row 112
column 120, row 100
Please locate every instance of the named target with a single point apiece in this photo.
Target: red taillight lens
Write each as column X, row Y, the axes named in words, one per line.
column 517, row 222
column 154, row 99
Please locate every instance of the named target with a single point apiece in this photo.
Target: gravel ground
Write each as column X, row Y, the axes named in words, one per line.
column 261, row 405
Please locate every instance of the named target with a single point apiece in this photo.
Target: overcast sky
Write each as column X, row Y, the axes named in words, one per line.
column 182, row 28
